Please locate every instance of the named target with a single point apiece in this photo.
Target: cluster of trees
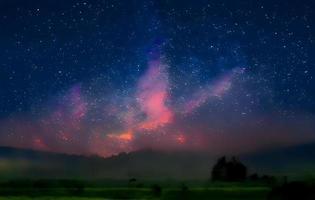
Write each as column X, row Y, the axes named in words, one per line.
column 233, row 170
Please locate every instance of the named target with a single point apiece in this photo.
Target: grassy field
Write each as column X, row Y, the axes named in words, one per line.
column 124, row 189
column 49, row 198
column 217, row 193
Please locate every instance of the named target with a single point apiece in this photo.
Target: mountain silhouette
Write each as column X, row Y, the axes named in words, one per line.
column 145, row 164
column 148, row 164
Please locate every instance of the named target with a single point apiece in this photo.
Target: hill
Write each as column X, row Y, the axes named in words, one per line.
column 148, row 164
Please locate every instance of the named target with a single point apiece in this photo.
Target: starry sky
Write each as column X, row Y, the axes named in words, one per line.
column 109, row 76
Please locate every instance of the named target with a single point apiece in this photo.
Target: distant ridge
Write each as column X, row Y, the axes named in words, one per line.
column 148, row 164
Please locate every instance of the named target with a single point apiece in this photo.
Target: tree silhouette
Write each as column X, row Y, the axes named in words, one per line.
column 232, row 170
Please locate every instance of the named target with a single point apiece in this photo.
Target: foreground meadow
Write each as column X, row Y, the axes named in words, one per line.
column 218, row 193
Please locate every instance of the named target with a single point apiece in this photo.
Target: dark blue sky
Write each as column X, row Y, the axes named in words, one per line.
column 264, row 50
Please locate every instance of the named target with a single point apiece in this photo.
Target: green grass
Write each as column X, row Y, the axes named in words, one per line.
column 50, row 198
column 220, row 194
column 217, row 193
column 109, row 190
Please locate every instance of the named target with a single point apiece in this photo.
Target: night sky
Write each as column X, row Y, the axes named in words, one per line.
column 103, row 76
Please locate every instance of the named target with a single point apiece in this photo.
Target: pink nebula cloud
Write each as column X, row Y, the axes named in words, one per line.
column 152, row 96
column 214, row 90
column 67, row 117
column 110, row 144
column 149, row 113
column 124, row 136
column 146, row 119
column 181, row 138
column 79, row 106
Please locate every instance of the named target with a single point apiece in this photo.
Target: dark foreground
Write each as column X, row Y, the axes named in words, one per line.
column 70, row 190
column 132, row 189
column 145, row 193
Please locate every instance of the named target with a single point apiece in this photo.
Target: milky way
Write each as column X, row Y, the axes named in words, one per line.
column 96, row 77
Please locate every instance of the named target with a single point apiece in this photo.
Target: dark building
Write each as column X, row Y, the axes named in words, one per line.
column 232, row 170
